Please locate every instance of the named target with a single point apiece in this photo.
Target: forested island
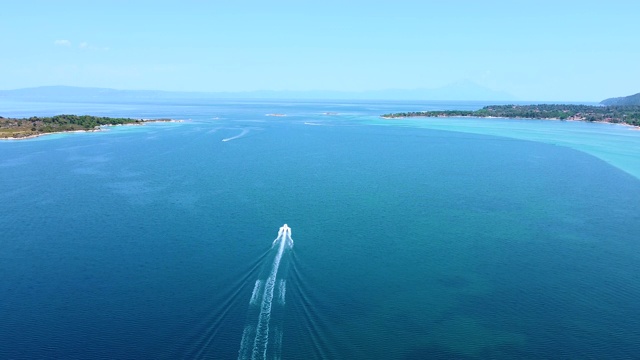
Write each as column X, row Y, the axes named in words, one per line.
column 11, row 128
column 612, row 114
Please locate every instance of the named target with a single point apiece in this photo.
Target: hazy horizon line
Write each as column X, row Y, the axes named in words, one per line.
column 394, row 93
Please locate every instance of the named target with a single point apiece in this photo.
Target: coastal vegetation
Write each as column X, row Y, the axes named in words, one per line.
column 35, row 125
column 612, row 114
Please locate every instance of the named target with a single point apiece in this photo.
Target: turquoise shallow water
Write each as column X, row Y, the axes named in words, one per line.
column 410, row 242
column 616, row 144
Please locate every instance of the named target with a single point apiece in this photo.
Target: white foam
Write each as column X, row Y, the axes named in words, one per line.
column 243, row 353
column 243, row 133
column 282, row 288
column 262, row 329
column 255, row 293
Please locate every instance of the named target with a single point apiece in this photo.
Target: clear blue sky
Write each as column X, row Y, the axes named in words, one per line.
column 535, row 50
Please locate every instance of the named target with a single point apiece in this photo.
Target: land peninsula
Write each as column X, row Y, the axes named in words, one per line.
column 611, row 114
column 11, row 128
column 622, row 101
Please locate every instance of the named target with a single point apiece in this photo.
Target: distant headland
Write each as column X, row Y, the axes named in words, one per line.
column 623, row 101
column 34, row 126
column 629, row 114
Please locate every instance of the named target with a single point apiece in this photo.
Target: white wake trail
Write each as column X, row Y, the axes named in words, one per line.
column 278, row 344
column 255, row 293
column 243, row 353
column 243, row 133
column 282, row 288
column 262, row 329
column 262, row 294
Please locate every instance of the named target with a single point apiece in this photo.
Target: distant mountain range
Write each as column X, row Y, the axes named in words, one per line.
column 625, row 100
column 457, row 91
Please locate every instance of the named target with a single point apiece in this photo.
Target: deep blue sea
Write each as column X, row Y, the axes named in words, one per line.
column 411, row 239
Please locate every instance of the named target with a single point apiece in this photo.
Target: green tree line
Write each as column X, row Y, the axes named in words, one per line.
column 35, row 125
column 615, row 114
